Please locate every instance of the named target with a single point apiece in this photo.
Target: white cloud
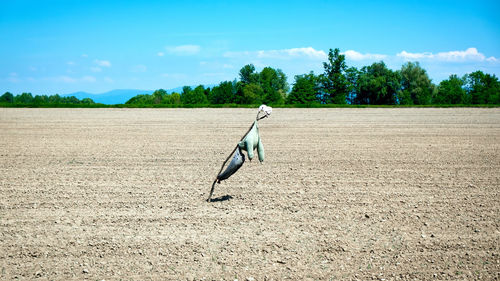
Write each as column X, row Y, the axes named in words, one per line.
column 307, row 52
column 103, row 63
column 13, row 78
column 184, row 50
column 284, row 54
column 95, row 69
column 84, row 55
column 357, row 56
column 237, row 54
column 216, row 65
column 139, row 68
column 90, row 79
column 108, row 79
column 175, row 76
column 161, row 54
column 64, row 79
column 70, row 80
column 414, row 56
column 469, row 55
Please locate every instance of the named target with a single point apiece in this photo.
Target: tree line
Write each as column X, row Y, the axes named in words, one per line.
column 269, row 86
column 375, row 84
column 378, row 85
column 27, row 99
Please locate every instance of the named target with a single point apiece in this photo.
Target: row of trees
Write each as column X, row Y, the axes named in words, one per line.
column 377, row 84
column 269, row 86
column 43, row 100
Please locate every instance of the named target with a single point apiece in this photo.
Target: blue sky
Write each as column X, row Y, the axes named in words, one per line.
column 61, row 47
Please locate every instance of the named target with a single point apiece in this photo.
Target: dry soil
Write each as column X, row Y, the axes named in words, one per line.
column 343, row 194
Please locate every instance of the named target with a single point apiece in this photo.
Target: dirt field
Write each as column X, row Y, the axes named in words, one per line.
column 384, row 194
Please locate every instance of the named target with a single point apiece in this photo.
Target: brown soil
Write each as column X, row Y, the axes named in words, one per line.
column 343, row 194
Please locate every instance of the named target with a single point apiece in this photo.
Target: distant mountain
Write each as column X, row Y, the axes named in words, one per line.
column 111, row 97
column 119, row 96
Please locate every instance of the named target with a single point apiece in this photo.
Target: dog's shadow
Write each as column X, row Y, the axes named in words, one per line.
column 221, row 198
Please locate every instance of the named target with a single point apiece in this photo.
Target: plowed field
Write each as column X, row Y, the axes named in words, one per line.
column 378, row 194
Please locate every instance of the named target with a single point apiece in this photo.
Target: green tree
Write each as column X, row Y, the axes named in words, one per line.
column 248, row 75
column 196, row 96
column 24, row 98
column 175, row 98
column 199, row 94
column 186, row 95
column 54, row 99
column 72, row 100
column 140, row 100
column 207, row 92
column 160, row 96
column 274, row 85
column 250, row 93
column 482, row 88
column 7, row 97
column 334, row 82
column 377, row 85
column 416, row 86
column 451, row 91
column 222, row 93
column 304, row 90
column 87, row 101
column 352, row 76
column 282, row 84
column 282, row 81
column 41, row 100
